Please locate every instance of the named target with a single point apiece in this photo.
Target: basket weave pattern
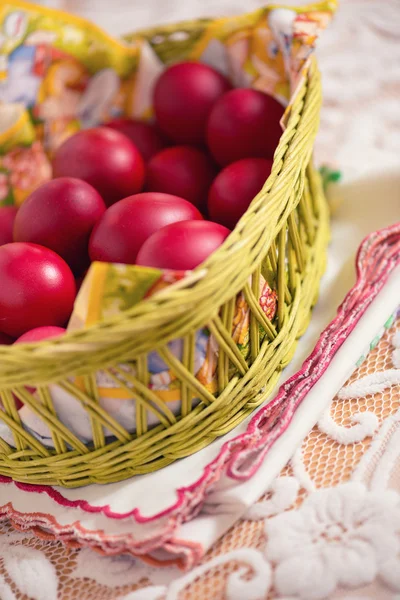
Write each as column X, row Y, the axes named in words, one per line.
column 282, row 236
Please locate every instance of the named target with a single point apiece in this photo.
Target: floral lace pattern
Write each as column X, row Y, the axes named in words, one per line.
column 304, row 540
column 339, row 536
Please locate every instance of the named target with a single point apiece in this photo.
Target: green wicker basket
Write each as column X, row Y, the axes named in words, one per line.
column 282, row 237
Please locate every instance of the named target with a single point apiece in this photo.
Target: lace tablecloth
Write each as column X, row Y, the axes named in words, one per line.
column 329, row 526
column 330, row 521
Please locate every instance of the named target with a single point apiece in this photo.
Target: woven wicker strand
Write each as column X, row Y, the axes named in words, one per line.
column 283, row 236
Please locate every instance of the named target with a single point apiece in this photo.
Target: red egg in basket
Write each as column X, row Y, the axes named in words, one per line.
column 182, row 246
column 5, row 340
column 37, row 288
column 244, row 123
column 37, row 335
column 106, row 159
column 60, row 215
column 182, row 171
column 124, row 227
column 7, row 218
column 235, row 187
column 146, row 137
column 40, row 333
column 183, row 98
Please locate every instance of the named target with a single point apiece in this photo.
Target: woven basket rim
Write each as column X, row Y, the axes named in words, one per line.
column 83, row 340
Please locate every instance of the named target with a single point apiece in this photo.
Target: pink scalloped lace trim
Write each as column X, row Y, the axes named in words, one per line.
column 378, row 255
column 184, row 552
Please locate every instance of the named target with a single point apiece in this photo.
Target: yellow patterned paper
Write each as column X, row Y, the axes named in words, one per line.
column 70, row 74
column 110, row 288
column 24, row 164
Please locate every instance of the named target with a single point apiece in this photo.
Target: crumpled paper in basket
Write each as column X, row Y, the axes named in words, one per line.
column 69, row 74
column 60, row 73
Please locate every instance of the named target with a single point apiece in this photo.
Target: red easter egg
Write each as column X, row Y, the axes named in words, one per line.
column 5, row 340
column 40, row 333
column 79, row 281
column 146, row 137
column 182, row 246
column 37, row 288
column 37, row 335
column 104, row 158
column 244, row 123
column 7, row 218
column 183, row 98
column 235, row 187
column 124, row 227
column 60, row 215
column 182, row 171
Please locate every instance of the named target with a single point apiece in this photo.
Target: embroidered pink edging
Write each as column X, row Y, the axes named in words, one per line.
column 210, row 475
column 109, row 544
column 378, row 255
